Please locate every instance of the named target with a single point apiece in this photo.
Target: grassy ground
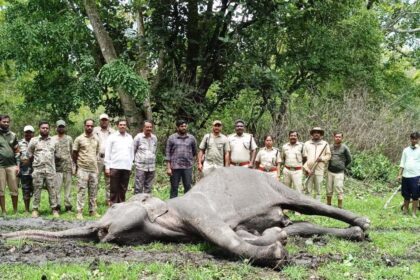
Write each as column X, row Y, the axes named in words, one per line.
column 393, row 251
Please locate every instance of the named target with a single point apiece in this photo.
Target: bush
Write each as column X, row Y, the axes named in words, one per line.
column 372, row 165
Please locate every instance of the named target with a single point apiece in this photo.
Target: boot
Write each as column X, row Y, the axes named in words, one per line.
column 329, row 198
column 3, row 205
column 340, row 204
column 15, row 203
column 405, row 207
column 55, row 214
column 79, row 215
column 27, row 203
column 35, row 214
column 415, row 206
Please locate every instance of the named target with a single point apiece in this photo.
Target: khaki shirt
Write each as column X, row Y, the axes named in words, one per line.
column 241, row 147
column 312, row 150
column 88, row 150
column 268, row 158
column 291, row 155
column 43, row 151
column 215, row 147
column 102, row 135
column 63, row 161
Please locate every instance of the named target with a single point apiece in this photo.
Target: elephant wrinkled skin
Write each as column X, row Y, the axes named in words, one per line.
column 237, row 209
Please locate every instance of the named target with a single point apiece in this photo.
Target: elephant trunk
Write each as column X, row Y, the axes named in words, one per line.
column 83, row 233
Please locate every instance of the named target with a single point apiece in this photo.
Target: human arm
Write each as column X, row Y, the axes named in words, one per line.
column 227, row 153
column 326, row 155
column 347, row 155
column 168, row 155
column 402, row 165
column 16, row 150
column 253, row 152
column 107, row 158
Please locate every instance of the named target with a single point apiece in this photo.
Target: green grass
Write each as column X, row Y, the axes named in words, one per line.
column 393, row 236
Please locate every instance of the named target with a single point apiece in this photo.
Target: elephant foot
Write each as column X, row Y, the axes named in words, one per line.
column 356, row 234
column 276, row 258
column 362, row 222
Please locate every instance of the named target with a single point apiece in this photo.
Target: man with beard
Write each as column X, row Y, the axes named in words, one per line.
column 102, row 132
column 25, row 172
column 291, row 155
column 63, row 164
column 145, row 145
column 85, row 153
column 316, row 153
column 181, row 148
column 42, row 151
column 242, row 146
column 9, row 163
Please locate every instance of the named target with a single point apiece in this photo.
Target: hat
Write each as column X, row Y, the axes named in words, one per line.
column 103, row 116
column 239, row 121
column 28, row 128
column 217, row 122
column 317, row 128
column 60, row 122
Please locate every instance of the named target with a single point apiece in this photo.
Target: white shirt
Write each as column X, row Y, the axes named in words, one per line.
column 410, row 161
column 119, row 152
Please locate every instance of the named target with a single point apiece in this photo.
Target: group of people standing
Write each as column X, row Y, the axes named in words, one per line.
column 45, row 161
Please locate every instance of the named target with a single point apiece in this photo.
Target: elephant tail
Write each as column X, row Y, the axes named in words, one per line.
column 82, row 233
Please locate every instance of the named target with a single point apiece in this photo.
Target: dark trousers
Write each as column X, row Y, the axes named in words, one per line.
column 144, row 181
column 118, row 184
column 177, row 175
column 27, row 187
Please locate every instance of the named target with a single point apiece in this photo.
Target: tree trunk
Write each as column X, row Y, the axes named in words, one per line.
column 128, row 104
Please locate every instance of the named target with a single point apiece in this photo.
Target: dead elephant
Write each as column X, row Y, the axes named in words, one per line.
column 235, row 208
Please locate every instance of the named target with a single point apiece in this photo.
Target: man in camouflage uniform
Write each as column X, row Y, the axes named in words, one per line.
column 25, row 173
column 63, row 164
column 102, row 132
column 42, row 151
column 9, row 163
column 85, row 153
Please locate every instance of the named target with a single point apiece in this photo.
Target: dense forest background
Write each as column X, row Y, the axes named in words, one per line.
column 347, row 65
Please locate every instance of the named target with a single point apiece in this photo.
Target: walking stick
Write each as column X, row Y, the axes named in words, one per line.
column 315, row 165
column 392, row 196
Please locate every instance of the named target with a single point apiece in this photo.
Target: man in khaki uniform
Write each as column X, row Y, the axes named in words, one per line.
column 102, row 132
column 63, row 164
column 242, row 146
column 42, row 150
column 292, row 158
column 9, row 163
column 85, row 154
column 316, row 153
column 215, row 147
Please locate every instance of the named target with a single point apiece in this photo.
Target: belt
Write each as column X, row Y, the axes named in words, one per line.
column 240, row 163
column 293, row 168
column 271, row 169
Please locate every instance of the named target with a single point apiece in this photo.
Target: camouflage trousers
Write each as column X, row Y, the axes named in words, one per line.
column 86, row 180
column 101, row 169
column 63, row 181
column 38, row 180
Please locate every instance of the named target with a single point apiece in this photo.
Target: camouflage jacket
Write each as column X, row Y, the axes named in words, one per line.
column 43, row 153
column 64, row 147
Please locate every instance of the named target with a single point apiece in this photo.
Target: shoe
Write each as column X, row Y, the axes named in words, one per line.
column 58, row 208
column 55, row 214
column 79, row 215
column 68, row 208
column 35, row 214
column 94, row 214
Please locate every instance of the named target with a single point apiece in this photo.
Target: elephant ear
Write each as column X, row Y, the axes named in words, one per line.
column 154, row 207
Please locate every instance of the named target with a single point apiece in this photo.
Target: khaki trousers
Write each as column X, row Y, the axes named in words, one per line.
column 101, row 170
column 313, row 186
column 208, row 167
column 8, row 178
column 335, row 183
column 63, row 181
column 293, row 179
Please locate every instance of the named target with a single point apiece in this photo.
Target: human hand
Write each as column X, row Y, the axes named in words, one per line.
column 169, row 171
column 17, row 169
column 107, row 172
column 200, row 167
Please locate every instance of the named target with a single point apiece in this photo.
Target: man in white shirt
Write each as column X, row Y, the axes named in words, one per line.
column 410, row 174
column 119, row 158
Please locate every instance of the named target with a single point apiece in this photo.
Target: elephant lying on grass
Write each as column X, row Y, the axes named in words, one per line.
column 237, row 209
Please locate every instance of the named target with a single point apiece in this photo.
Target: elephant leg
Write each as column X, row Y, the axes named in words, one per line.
column 268, row 237
column 306, row 205
column 306, row 229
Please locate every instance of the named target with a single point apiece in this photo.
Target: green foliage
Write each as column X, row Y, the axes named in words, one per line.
column 372, row 165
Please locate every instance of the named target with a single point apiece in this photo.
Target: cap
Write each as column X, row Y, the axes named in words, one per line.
column 239, row 121
column 60, row 122
column 217, row 122
column 317, row 128
column 103, row 116
column 28, row 128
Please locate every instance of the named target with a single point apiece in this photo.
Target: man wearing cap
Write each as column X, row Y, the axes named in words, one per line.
column 102, row 132
column 145, row 146
column 316, row 153
column 63, row 164
column 291, row 158
column 42, row 151
column 85, row 157
column 181, row 148
column 214, row 148
column 9, row 163
column 25, row 172
column 242, row 146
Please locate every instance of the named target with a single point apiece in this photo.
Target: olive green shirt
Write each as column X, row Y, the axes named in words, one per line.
column 9, row 149
column 215, row 148
column 43, row 153
column 88, row 150
column 63, row 161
